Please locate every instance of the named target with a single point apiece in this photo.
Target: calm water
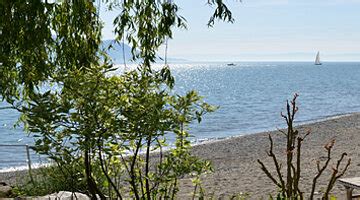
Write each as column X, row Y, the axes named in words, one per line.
column 250, row 95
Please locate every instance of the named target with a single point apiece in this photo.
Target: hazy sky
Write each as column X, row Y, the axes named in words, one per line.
column 292, row 30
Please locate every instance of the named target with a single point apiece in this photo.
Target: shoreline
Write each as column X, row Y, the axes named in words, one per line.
column 202, row 141
column 235, row 159
column 235, row 164
column 300, row 123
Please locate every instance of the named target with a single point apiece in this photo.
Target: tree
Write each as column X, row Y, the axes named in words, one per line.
column 54, row 72
column 42, row 40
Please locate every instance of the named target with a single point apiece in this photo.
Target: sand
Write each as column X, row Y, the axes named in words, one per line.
column 235, row 159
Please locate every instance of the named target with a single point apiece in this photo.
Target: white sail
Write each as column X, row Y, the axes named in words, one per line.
column 317, row 59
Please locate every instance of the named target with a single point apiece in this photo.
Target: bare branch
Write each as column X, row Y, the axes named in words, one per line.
column 277, row 166
column 335, row 175
column 298, row 162
column 268, row 174
column 308, row 132
column 320, row 171
column 281, row 131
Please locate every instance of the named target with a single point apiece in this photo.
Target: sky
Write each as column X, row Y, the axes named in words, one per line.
column 266, row 30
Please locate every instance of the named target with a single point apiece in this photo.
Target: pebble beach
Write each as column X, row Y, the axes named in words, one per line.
column 236, row 169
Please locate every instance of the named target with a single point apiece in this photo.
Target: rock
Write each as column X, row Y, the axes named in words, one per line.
column 5, row 191
column 65, row 195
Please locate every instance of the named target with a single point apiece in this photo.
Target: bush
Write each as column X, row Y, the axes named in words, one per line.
column 289, row 187
column 51, row 179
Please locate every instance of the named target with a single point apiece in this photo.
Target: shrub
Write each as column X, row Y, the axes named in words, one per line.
column 289, row 187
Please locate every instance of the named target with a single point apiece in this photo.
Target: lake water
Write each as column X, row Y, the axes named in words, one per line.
column 250, row 95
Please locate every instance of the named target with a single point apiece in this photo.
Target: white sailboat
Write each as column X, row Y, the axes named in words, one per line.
column 317, row 59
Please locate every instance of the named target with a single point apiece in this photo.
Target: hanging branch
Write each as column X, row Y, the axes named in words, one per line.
column 166, row 50
column 6, row 107
column 123, row 51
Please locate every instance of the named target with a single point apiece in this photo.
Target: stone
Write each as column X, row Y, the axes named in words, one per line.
column 5, row 191
column 65, row 195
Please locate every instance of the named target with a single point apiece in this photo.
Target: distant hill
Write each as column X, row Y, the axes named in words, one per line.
column 116, row 52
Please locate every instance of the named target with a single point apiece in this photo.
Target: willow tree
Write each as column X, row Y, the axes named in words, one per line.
column 54, row 72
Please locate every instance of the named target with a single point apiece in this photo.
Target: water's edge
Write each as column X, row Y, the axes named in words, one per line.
column 208, row 140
